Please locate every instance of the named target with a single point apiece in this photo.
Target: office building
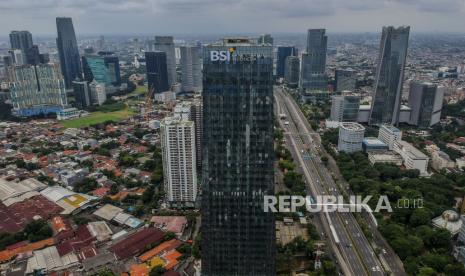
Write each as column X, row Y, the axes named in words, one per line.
column 113, row 68
column 265, row 39
column 345, row 80
column 166, row 44
column 17, row 56
column 350, row 137
column 371, row 144
column 157, row 74
column 191, row 69
column 344, row 108
column 68, row 51
column 98, row 93
column 425, row 100
column 21, row 40
column 313, row 65
column 386, row 101
column 389, row 134
column 292, row 71
column 282, row 54
column 238, row 238
column 7, row 61
column 44, row 58
column 37, row 89
column 178, row 152
column 197, row 117
column 82, row 94
column 94, row 68
column 33, row 55
column 413, row 158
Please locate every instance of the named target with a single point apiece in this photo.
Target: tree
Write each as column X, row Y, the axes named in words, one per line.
column 169, row 236
column 426, row 271
column 157, row 271
column 454, row 270
column 328, row 267
column 420, row 216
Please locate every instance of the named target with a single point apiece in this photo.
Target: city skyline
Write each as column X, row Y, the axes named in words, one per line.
column 156, row 16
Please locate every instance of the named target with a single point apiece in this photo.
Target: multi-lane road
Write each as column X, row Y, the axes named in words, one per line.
column 352, row 249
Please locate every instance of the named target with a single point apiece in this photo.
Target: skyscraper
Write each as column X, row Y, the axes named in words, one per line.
column 385, row 107
column 68, row 50
column 33, row 55
column 191, row 69
column 179, row 169
column 21, row 40
column 81, row 94
column 166, row 44
column 196, row 116
column 283, row 53
column 313, row 65
column 157, row 73
column 94, row 68
column 425, row 100
column 98, row 94
column 292, row 71
column 113, row 69
column 238, row 237
column 37, row 89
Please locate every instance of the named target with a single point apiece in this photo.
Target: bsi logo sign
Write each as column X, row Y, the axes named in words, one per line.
column 220, row 56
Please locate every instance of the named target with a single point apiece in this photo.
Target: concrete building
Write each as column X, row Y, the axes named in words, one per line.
column 441, row 160
column 344, row 108
column 179, row 157
column 97, row 93
column 460, row 162
column 182, row 111
column 166, row 44
column 425, row 100
column 384, row 157
column 196, row 116
column 389, row 134
column 413, row 158
column 191, row 69
column 373, row 144
column 21, row 40
column 37, row 89
column 386, row 103
column 350, row 137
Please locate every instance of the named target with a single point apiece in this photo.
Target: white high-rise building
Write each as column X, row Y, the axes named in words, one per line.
column 389, row 134
column 179, row 160
column 97, row 93
column 166, row 44
column 350, row 137
column 191, row 69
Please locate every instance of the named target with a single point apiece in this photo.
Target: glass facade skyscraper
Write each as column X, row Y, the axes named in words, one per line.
column 238, row 237
column 157, row 72
column 385, row 107
column 313, row 66
column 21, row 40
column 191, row 69
column 166, row 44
column 283, row 53
column 68, row 50
column 345, row 80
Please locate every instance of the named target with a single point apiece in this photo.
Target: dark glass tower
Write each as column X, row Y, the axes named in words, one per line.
column 157, row 72
column 283, row 53
column 313, row 75
column 21, row 40
column 385, row 107
column 238, row 237
column 68, row 50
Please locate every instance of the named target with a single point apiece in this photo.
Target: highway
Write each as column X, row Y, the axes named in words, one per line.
column 348, row 240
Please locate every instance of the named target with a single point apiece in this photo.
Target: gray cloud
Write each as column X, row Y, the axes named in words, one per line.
column 226, row 15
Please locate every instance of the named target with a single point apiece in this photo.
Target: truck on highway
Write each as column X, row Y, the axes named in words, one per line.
column 286, row 123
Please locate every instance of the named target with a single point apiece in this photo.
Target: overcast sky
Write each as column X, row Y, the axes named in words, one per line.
column 230, row 16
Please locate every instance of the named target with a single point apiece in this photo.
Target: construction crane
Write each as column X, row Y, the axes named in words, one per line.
column 149, row 103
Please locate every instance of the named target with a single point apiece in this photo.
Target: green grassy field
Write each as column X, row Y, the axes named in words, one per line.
column 140, row 90
column 97, row 118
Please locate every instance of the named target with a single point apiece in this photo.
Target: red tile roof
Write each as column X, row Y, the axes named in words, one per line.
column 137, row 242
